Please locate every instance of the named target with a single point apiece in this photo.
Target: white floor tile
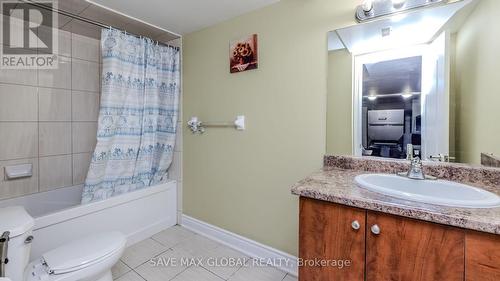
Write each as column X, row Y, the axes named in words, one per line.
column 195, row 273
column 198, row 246
column 119, row 270
column 165, row 266
column 217, row 261
column 173, row 236
column 142, row 252
column 264, row 273
column 174, row 255
column 131, row 276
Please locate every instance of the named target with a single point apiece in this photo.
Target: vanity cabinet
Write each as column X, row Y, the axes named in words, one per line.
column 322, row 240
column 406, row 249
column 385, row 247
column 482, row 261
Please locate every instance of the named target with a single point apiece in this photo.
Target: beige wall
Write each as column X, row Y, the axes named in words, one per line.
column 240, row 181
column 339, row 101
column 477, row 74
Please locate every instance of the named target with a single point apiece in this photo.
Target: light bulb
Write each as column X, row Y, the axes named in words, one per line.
column 367, row 6
column 372, row 98
column 398, row 3
column 407, row 96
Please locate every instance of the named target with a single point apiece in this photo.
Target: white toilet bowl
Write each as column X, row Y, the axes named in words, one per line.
column 87, row 259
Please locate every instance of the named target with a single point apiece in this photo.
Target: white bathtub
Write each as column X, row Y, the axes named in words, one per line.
column 59, row 217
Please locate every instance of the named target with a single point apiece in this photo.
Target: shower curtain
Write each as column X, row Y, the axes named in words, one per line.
column 137, row 118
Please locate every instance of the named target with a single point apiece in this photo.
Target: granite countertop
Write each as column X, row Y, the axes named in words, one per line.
column 337, row 185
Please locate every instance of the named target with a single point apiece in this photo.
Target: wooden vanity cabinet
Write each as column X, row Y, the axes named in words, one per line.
column 411, row 250
column 390, row 248
column 320, row 239
column 482, row 259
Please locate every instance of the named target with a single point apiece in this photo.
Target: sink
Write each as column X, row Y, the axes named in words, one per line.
column 438, row 192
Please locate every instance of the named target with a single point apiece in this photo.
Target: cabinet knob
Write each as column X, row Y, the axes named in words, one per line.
column 355, row 225
column 375, row 229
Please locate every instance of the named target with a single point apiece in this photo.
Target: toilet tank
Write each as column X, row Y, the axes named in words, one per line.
column 19, row 224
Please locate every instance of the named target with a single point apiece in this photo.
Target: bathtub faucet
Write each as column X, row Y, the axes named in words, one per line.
column 4, row 246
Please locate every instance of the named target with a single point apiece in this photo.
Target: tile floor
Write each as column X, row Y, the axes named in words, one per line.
column 173, row 254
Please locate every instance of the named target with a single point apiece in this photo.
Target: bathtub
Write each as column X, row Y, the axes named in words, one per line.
column 60, row 218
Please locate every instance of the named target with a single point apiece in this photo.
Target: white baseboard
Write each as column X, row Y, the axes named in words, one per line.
column 247, row 246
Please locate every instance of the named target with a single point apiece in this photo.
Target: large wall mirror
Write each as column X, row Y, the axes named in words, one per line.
column 424, row 82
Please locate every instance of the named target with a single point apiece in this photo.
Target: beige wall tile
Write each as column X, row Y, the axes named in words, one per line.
column 55, row 138
column 55, row 172
column 83, row 28
column 54, row 104
column 63, row 38
column 18, row 187
column 84, row 136
column 85, row 106
column 81, row 163
column 18, row 103
column 85, row 75
column 56, row 78
column 85, row 48
column 23, row 77
column 18, row 140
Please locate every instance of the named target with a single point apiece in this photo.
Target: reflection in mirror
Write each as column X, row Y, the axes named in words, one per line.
column 420, row 83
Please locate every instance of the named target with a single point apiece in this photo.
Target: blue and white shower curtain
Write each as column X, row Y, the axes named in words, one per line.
column 137, row 118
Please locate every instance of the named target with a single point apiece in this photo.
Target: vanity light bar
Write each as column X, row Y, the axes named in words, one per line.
column 371, row 9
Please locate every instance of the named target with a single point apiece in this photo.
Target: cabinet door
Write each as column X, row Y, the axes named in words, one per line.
column 482, row 257
column 326, row 233
column 411, row 250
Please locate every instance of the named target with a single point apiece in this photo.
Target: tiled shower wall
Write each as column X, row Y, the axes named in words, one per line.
column 49, row 118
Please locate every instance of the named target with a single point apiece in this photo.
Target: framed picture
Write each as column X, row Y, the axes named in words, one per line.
column 243, row 54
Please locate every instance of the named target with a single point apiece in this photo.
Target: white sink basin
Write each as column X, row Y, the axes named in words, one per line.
column 438, row 192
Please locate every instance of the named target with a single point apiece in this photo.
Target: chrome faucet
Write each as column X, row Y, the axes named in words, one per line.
column 416, row 171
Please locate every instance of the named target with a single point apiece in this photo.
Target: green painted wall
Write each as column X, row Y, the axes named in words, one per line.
column 476, row 84
column 339, row 100
column 240, row 181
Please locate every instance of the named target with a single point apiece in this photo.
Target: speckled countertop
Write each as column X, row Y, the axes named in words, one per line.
column 337, row 185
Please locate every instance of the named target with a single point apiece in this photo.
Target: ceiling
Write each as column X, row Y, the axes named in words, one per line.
column 393, row 76
column 184, row 16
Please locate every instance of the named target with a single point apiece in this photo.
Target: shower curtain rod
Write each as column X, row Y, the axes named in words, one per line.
column 80, row 18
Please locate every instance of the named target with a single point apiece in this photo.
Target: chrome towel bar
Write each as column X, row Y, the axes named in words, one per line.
column 197, row 126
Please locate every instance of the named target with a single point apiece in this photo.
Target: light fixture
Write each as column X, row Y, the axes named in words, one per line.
column 367, row 6
column 372, row 98
column 407, row 95
column 398, row 4
column 371, row 9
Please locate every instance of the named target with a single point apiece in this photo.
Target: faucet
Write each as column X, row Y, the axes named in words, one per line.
column 4, row 246
column 416, row 171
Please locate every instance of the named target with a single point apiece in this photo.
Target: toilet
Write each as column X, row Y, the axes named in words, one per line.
column 87, row 259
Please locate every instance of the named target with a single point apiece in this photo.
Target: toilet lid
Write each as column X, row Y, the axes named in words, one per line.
column 84, row 252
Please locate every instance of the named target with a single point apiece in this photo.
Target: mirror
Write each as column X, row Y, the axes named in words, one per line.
column 421, row 83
